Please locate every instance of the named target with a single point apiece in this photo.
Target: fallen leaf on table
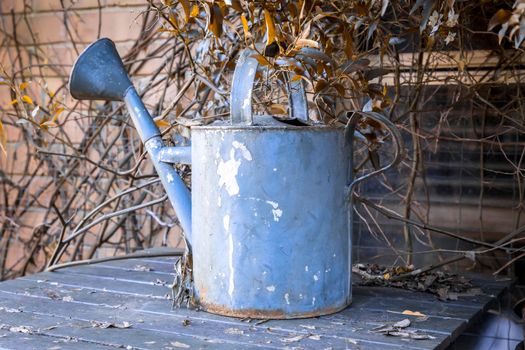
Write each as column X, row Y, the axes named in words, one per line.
column 400, row 329
column 9, row 310
column 293, row 339
column 233, row 331
column 421, row 336
column 413, row 313
column 21, row 329
column 402, row 324
column 307, row 326
column 142, row 268
column 104, row 325
column 179, row 345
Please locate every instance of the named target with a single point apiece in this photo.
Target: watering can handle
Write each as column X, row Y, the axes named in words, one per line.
column 242, row 90
column 398, row 140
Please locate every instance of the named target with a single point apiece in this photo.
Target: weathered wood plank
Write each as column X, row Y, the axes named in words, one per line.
column 15, row 340
column 230, row 332
column 66, row 302
column 355, row 327
column 102, row 283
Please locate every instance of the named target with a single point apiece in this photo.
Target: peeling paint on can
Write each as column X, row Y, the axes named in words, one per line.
column 264, row 227
column 244, row 151
column 227, row 171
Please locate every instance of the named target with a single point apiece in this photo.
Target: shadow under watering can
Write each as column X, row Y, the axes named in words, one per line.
column 268, row 221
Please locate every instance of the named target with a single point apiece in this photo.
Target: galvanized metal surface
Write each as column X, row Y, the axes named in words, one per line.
column 177, row 192
column 270, row 220
column 140, row 116
column 68, row 309
column 99, row 74
column 175, row 155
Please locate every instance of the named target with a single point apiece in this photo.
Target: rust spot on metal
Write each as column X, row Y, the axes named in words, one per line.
column 266, row 314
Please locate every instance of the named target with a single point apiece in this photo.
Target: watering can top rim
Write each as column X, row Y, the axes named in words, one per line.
column 262, row 128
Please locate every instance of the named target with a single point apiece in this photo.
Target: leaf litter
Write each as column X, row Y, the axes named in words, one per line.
column 400, row 329
column 446, row 286
column 104, row 325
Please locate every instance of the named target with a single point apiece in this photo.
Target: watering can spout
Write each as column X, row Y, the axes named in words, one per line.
column 99, row 74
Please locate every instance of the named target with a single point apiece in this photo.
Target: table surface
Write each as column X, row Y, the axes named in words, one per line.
column 71, row 307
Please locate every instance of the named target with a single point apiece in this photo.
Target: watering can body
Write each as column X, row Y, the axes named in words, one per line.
column 270, row 229
column 269, row 219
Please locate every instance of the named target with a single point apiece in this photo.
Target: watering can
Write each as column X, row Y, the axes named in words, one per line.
column 269, row 218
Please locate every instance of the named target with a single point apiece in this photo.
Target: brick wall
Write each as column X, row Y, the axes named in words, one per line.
column 34, row 28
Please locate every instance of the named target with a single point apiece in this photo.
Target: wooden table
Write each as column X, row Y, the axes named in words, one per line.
column 70, row 308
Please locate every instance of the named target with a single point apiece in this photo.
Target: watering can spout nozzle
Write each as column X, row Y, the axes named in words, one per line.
column 99, row 74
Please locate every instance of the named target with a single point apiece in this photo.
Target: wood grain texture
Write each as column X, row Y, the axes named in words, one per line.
column 68, row 308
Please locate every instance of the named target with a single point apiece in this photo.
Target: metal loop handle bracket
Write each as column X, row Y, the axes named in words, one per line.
column 242, row 92
column 396, row 135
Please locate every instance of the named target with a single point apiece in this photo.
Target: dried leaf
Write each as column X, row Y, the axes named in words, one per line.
column 293, row 339
column 235, row 331
column 57, row 112
column 521, row 35
column 353, row 66
column 235, row 4
column 141, row 268
column 179, row 345
column 402, row 324
column 35, row 111
column 186, row 8
column 320, row 85
column 499, row 18
column 413, row 313
column 161, row 123
column 3, row 139
column 270, row 27
column 349, row 44
column 194, row 11
column 374, row 159
column 215, row 22
column 277, row 109
column 21, row 329
column 306, row 43
column 104, row 325
column 245, row 26
column 395, row 40
column 502, row 31
column 8, row 309
column 427, row 9
column 261, row 59
column 315, row 54
column 340, row 89
column 421, row 336
column 27, row 99
column 384, row 6
column 297, row 77
column 375, row 73
column 307, row 326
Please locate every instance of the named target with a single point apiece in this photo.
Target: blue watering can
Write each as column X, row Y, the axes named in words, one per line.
column 268, row 221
